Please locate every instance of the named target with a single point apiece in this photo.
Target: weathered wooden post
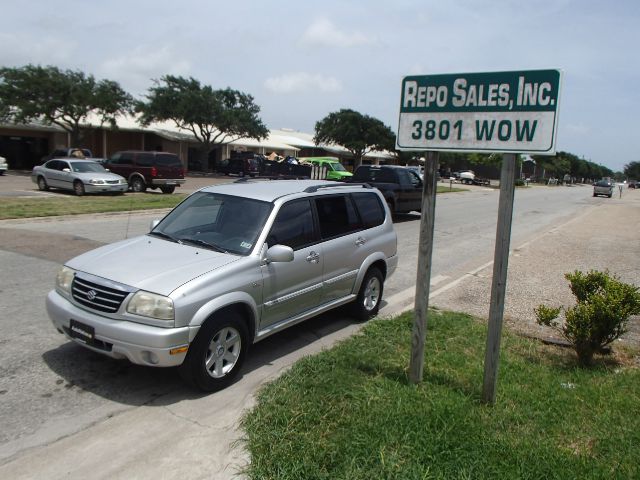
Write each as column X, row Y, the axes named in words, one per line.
column 423, row 276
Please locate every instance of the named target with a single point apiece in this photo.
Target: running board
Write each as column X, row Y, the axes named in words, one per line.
column 277, row 327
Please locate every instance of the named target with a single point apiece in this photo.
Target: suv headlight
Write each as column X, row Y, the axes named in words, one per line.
column 151, row 305
column 64, row 279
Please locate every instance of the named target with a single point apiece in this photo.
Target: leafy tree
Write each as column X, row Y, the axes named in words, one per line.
column 214, row 117
column 358, row 133
column 632, row 170
column 60, row 97
column 604, row 304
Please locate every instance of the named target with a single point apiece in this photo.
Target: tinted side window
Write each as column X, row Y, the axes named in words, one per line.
column 293, row 225
column 144, row 159
column 336, row 216
column 370, row 209
column 122, row 159
column 168, row 160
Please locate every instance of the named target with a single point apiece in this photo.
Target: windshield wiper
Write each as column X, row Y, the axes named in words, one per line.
column 202, row 243
column 165, row 236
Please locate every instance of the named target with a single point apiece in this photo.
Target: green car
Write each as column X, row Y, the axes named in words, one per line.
column 335, row 170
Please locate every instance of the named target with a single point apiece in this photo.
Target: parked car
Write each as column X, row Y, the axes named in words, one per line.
column 148, row 170
column 80, row 176
column 603, row 187
column 335, row 170
column 231, row 265
column 400, row 186
column 243, row 165
column 632, row 184
column 3, row 166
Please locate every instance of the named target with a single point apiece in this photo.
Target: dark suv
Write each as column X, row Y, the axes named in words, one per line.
column 248, row 164
column 148, row 170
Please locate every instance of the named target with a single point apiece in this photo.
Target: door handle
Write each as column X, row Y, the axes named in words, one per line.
column 313, row 257
column 360, row 241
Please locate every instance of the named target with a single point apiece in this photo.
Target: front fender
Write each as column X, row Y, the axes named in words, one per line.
column 221, row 302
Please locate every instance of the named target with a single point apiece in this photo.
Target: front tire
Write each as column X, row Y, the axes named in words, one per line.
column 367, row 303
column 78, row 188
column 216, row 355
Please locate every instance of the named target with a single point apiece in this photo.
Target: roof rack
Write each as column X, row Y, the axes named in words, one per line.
column 315, row 188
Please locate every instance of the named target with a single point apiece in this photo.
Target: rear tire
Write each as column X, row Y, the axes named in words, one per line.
column 216, row 355
column 42, row 184
column 78, row 188
column 168, row 189
column 367, row 303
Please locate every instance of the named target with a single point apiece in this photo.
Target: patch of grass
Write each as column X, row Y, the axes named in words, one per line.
column 72, row 205
column 441, row 189
column 350, row 412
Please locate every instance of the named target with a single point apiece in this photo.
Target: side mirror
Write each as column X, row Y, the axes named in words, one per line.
column 279, row 253
column 154, row 224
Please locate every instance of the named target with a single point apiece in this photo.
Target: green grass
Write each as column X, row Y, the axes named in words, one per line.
column 67, row 204
column 350, row 412
column 441, row 189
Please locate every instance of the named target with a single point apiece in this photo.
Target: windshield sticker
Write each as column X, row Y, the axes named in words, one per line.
column 246, row 245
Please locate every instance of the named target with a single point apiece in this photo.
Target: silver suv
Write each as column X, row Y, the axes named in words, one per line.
column 229, row 266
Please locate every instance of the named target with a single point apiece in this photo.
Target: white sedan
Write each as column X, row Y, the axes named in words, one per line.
column 80, row 176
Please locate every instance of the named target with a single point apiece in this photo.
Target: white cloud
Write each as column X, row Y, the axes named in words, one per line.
column 19, row 49
column 303, row 82
column 323, row 32
column 135, row 69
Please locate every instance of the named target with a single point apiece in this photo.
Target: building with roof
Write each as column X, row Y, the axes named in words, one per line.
column 25, row 146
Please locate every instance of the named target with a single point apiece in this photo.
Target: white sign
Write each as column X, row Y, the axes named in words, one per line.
column 506, row 112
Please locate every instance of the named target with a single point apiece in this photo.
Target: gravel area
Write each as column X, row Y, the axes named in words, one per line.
column 604, row 236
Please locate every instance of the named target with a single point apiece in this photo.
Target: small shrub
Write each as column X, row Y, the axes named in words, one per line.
column 519, row 182
column 604, row 304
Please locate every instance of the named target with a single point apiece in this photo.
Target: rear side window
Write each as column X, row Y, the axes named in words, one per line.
column 293, row 226
column 144, row 159
column 168, row 160
column 336, row 216
column 370, row 209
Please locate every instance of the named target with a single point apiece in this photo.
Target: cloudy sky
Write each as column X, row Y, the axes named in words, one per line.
column 302, row 60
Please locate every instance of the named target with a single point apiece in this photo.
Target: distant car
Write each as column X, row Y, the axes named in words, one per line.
column 632, row 184
column 603, row 187
column 3, row 166
column 80, row 176
column 243, row 165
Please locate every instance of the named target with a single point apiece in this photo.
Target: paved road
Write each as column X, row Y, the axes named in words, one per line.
column 62, row 402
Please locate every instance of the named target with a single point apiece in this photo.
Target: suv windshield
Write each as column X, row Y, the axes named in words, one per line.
column 217, row 222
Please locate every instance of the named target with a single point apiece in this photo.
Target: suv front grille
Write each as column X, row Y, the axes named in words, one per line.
column 96, row 296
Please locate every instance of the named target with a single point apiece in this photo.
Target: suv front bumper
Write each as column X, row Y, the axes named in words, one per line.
column 141, row 344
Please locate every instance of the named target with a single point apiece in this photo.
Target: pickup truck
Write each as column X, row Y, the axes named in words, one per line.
column 468, row 177
column 400, row 186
